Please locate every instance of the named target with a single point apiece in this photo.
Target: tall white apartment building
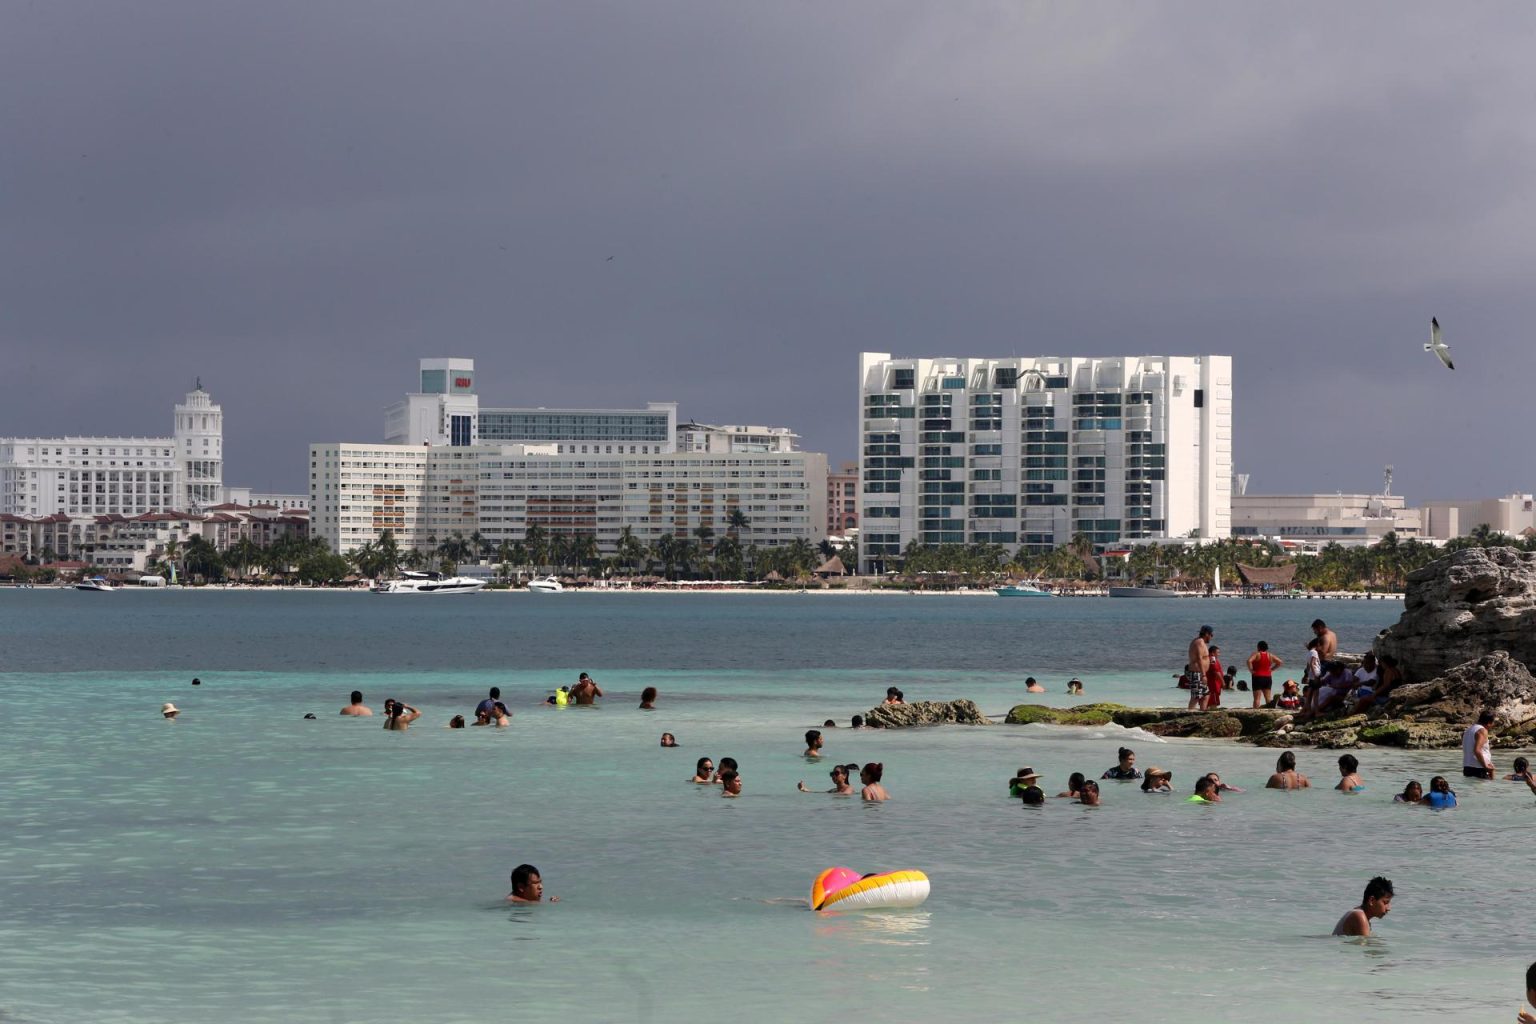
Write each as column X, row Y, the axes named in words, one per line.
column 1030, row 452
column 41, row 476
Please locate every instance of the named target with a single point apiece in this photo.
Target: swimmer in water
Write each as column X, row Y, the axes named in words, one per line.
column 1349, row 770
column 813, row 743
column 840, row 783
column 727, row 764
column 1412, row 793
column 1074, row 787
column 703, row 772
column 400, row 715
column 1377, row 902
column 1033, row 686
column 1090, row 794
column 668, row 740
column 873, row 792
column 648, row 699
column 528, row 886
column 730, row 783
column 456, row 722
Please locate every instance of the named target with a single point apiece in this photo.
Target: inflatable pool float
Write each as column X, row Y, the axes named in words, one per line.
column 846, row 889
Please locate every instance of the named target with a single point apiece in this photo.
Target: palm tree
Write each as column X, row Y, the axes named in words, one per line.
column 737, row 521
column 629, row 549
column 705, row 534
column 536, row 538
column 666, row 552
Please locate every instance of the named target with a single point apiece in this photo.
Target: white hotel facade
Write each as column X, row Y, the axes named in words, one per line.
column 86, row 476
column 597, row 472
column 1029, row 452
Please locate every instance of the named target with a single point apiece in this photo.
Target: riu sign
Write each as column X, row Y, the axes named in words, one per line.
column 463, row 382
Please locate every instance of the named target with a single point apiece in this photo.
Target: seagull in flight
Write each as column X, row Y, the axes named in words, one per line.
column 1437, row 345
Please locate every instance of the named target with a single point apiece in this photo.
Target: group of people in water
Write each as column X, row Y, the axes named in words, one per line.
column 1208, row 788
column 1327, row 683
column 492, row 711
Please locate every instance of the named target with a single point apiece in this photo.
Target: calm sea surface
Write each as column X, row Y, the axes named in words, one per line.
column 245, row 864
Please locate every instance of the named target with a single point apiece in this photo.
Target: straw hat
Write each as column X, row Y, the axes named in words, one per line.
column 1026, row 776
column 1155, row 771
column 169, row 709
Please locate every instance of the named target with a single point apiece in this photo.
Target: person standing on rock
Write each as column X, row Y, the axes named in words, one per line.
column 1197, row 666
column 1261, row 667
column 1476, row 759
column 1329, row 639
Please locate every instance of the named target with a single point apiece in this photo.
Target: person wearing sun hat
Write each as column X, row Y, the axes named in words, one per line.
column 1023, row 780
column 169, row 711
column 1157, row 780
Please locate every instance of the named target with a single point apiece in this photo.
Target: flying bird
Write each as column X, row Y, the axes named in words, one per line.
column 1437, row 345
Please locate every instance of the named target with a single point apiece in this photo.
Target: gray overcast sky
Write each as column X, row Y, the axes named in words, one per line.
column 297, row 200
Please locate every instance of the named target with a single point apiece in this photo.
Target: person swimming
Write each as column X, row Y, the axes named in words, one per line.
column 813, row 743
column 840, row 774
column 1349, row 770
column 1412, row 793
column 1440, row 796
column 668, row 740
column 1074, row 786
column 703, row 772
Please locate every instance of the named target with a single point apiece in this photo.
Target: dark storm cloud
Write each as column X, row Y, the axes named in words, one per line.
column 296, row 201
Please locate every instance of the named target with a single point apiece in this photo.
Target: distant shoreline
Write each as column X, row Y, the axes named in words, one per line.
column 707, row 589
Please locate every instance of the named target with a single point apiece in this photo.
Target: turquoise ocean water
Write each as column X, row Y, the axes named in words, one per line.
column 244, row 864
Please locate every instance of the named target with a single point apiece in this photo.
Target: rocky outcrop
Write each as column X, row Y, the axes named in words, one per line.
column 1496, row 681
column 925, row 712
column 1461, row 607
column 1082, row 714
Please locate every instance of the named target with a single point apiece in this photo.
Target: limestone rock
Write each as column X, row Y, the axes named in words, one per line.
column 1461, row 607
column 1214, row 725
column 1082, row 714
column 1455, row 698
column 925, row 712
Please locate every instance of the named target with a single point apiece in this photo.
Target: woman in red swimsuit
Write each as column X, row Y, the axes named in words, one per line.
column 1261, row 666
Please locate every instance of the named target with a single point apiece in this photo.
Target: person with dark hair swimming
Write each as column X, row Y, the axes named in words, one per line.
column 648, row 698
column 528, row 886
column 873, row 791
column 1074, row 786
column 1349, row 772
column 357, row 709
column 1126, row 769
column 1376, row 903
column 1441, row 796
column 703, row 772
column 813, row 743
column 840, row 783
column 1286, row 776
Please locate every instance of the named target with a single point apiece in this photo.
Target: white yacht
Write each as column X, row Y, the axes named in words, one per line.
column 545, row 585
column 429, row 583
column 94, row 583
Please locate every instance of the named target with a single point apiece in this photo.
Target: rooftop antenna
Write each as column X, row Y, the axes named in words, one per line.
column 1386, row 484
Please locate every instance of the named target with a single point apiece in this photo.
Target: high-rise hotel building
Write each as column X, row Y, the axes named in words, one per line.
column 1031, row 452
column 86, row 476
column 449, row 465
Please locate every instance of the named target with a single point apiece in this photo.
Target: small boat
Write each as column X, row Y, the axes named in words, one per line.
column 94, row 583
column 1021, row 590
column 429, row 583
column 545, row 585
column 1146, row 591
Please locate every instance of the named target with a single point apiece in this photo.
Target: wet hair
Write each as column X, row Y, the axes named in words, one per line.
column 729, row 776
column 1521, row 764
column 874, row 770
column 1032, row 795
column 891, row 691
column 1126, row 752
column 1412, row 785
column 495, row 693
column 1204, row 784
column 499, row 706
column 829, row 724
column 668, row 736
column 699, row 769
column 648, row 695
column 1319, row 624
column 521, row 875
column 456, row 722
column 1075, row 782
column 1286, row 762
column 1486, row 718
column 858, row 720
column 1376, row 888
column 1263, row 645
column 1349, row 764
column 357, row 696
column 727, row 764
column 1438, row 784
column 839, row 769
column 811, row 736
column 1090, row 784
column 1029, row 681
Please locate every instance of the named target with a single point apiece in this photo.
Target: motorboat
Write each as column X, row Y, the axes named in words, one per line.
column 1021, row 590
column 94, row 583
column 429, row 583
column 545, row 585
